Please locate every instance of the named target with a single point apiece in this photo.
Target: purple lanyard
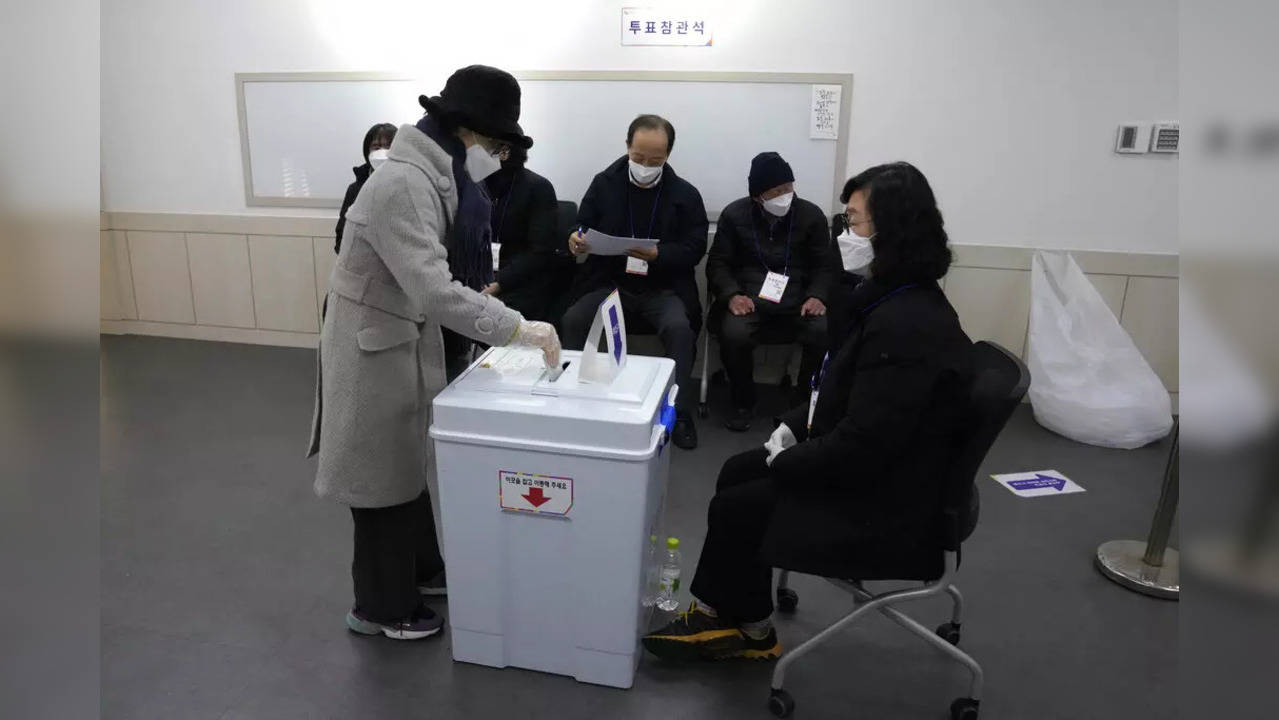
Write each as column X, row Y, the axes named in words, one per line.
column 652, row 221
column 816, row 381
column 790, row 222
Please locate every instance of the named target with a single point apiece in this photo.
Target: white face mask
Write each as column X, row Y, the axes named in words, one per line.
column 377, row 158
column 644, row 175
column 779, row 205
column 856, row 252
column 480, row 163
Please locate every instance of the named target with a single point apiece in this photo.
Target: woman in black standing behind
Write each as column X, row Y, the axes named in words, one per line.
column 376, row 142
column 524, row 236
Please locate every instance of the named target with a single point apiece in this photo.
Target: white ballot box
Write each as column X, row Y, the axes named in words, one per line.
column 550, row 490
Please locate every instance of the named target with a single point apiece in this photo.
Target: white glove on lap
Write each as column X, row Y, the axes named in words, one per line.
column 540, row 335
column 781, row 439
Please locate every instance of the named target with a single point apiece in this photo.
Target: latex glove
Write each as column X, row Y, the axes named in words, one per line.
column 540, row 335
column 781, row 439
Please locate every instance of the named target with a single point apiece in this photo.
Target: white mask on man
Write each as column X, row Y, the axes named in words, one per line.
column 377, row 158
column 480, row 163
column 645, row 175
column 856, row 252
column 779, row 205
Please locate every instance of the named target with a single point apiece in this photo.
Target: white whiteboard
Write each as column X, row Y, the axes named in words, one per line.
column 301, row 133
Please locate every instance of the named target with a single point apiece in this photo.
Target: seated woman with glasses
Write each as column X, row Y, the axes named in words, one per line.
column 864, row 459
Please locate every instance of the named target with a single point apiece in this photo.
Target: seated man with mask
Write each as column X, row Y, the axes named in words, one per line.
column 640, row 196
column 770, row 269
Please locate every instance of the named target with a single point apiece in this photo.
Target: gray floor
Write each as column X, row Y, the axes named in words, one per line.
column 225, row 580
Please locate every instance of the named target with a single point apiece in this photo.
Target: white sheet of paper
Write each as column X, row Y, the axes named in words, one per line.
column 635, row 266
column 605, row 244
column 1038, row 482
column 497, row 250
column 774, row 287
column 824, row 113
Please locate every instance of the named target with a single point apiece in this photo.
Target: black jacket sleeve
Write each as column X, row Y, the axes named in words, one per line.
column 822, row 263
column 720, row 277
column 797, row 420
column 541, row 239
column 352, row 191
column 689, row 244
column 891, row 390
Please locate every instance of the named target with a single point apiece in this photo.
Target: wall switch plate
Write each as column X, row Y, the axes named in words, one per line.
column 1132, row 138
column 1165, row 137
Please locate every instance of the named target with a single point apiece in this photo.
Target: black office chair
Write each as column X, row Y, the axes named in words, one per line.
column 767, row 336
column 1000, row 381
column 563, row 265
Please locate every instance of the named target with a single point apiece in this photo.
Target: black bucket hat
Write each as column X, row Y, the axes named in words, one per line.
column 484, row 99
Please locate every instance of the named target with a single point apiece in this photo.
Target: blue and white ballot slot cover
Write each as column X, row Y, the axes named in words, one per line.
column 611, row 322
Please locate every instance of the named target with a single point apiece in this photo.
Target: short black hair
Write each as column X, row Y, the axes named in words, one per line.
column 381, row 131
column 910, row 241
column 652, row 122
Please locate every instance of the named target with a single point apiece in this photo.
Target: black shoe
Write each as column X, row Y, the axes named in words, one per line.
column 685, row 434
column 423, row 624
column 740, row 421
column 437, row 586
column 765, row 648
column 695, row 635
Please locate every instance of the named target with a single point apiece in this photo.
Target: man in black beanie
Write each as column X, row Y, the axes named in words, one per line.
column 769, row 270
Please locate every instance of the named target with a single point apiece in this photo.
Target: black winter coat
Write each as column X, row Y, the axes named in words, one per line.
column 860, row 496
column 747, row 246
column 679, row 223
column 362, row 173
column 524, row 220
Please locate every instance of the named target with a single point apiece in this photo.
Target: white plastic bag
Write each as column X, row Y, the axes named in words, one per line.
column 1088, row 380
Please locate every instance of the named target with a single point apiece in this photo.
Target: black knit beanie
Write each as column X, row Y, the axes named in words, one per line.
column 768, row 170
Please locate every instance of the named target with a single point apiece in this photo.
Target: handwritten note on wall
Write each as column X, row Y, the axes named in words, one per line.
column 824, row 119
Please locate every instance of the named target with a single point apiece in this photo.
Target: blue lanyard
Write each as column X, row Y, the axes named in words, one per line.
column 652, row 221
column 790, row 223
column 505, row 205
column 816, row 381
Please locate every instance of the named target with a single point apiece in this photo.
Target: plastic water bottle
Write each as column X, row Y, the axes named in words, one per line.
column 668, row 577
column 650, row 573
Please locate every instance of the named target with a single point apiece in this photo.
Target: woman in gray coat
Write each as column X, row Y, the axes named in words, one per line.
column 414, row 256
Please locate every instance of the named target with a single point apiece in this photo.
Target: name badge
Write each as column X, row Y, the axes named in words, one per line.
column 774, row 287
column 497, row 253
column 635, row 266
column 812, row 408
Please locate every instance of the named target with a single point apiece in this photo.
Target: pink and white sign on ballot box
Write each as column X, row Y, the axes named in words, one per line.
column 550, row 488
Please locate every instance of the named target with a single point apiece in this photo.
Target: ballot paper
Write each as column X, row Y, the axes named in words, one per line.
column 605, row 244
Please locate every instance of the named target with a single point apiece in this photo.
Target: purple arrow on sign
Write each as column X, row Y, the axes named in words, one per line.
column 1039, row 481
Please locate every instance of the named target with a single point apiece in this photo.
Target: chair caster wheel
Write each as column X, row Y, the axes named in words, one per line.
column 787, row 600
column 703, row 411
column 949, row 632
column 964, row 709
column 782, row 704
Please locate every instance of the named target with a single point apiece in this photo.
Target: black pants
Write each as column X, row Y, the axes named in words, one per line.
column 740, row 334
column 663, row 311
column 395, row 549
column 730, row 576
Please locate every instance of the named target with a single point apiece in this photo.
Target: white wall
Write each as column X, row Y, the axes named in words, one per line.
column 1009, row 106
